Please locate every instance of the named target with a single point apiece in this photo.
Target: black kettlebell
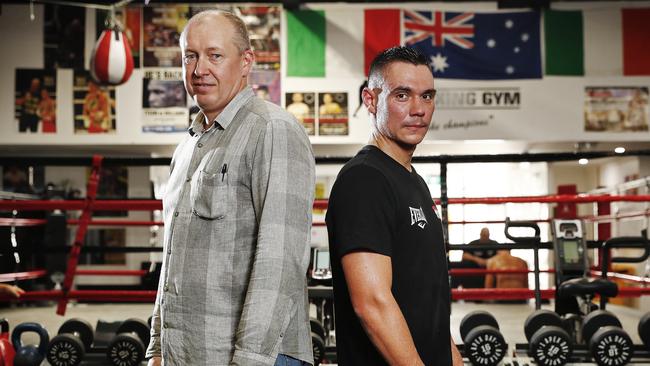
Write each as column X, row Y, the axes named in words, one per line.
column 29, row 355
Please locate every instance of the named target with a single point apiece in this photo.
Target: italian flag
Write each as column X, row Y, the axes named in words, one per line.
column 599, row 42
column 325, row 43
column 338, row 43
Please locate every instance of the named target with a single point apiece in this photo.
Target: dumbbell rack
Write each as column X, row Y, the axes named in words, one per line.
column 581, row 354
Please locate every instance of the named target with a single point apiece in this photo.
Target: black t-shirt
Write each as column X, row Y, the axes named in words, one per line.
column 377, row 205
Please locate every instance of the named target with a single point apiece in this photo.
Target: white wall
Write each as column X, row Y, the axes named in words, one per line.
column 551, row 108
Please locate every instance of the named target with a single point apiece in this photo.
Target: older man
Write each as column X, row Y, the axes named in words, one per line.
column 388, row 255
column 237, row 217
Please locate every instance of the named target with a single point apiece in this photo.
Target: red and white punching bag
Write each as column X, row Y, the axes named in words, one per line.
column 111, row 61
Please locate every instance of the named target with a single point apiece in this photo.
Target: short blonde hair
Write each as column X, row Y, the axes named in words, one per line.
column 241, row 40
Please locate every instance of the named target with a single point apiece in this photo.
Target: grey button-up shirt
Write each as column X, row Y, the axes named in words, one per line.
column 237, row 213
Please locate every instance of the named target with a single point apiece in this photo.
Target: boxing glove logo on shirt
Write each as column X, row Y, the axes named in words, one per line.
column 417, row 217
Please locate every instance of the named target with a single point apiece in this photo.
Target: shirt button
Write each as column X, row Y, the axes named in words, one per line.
column 166, row 287
column 165, row 325
column 199, row 144
column 188, row 179
column 169, row 251
column 176, row 213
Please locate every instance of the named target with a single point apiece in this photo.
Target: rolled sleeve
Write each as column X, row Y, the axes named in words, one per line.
column 154, row 341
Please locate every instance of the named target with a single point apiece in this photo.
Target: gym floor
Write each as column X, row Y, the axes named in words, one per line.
column 511, row 318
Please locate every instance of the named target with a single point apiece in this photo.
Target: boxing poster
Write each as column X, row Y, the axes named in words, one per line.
column 616, row 109
column 129, row 19
column 263, row 23
column 266, row 84
column 64, row 36
column 332, row 114
column 302, row 106
column 94, row 105
column 164, row 101
column 35, row 101
column 161, row 31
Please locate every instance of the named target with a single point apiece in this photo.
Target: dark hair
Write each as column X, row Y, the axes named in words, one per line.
column 396, row 54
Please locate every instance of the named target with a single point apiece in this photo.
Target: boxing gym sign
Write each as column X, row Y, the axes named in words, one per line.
column 478, row 98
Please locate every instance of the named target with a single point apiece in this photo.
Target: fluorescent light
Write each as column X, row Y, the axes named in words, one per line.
column 583, row 161
column 619, row 150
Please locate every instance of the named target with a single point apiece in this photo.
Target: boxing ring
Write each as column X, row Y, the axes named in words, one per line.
column 638, row 285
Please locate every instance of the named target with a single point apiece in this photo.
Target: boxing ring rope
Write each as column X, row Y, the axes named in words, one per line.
column 152, row 205
column 90, row 204
column 111, row 272
column 480, row 271
column 622, row 276
column 84, row 219
column 19, row 276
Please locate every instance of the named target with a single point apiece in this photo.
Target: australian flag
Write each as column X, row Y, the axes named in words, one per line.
column 486, row 46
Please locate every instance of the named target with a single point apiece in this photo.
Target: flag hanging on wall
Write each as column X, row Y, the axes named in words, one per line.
column 325, row 43
column 467, row 45
column 461, row 45
column 597, row 42
column 306, row 43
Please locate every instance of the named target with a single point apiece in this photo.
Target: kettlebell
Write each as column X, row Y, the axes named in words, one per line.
column 7, row 352
column 29, row 355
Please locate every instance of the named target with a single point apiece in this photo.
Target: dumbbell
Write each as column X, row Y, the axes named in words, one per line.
column 608, row 343
column 484, row 343
column 548, row 343
column 317, row 340
column 644, row 330
column 7, row 351
column 128, row 346
column 72, row 342
column 29, row 355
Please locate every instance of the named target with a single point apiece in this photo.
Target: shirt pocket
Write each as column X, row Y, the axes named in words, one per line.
column 209, row 196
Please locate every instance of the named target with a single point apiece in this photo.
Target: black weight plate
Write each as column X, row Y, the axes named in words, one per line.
column 539, row 318
column 65, row 350
column 137, row 326
column 551, row 346
column 125, row 350
column 644, row 330
column 596, row 320
column 474, row 319
column 318, row 348
column 81, row 327
column 485, row 346
column 611, row 346
column 317, row 327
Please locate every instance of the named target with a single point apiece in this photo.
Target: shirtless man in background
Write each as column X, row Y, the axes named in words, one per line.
column 503, row 260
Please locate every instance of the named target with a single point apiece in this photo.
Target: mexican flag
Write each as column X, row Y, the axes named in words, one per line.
column 598, row 42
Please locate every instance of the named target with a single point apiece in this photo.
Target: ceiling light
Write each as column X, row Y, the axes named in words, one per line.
column 619, row 150
column 583, row 161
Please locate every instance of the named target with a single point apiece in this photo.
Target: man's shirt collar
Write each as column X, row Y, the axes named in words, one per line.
column 226, row 116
